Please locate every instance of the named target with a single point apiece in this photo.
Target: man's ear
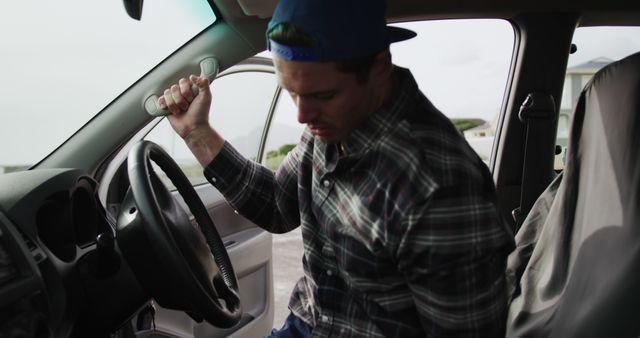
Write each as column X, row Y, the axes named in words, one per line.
column 382, row 66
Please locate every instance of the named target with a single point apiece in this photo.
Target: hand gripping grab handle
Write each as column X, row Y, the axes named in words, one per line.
column 208, row 68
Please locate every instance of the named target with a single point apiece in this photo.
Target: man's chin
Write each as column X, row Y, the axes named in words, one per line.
column 328, row 139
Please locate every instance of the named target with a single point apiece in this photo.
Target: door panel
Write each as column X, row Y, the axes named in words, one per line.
column 249, row 249
column 227, row 221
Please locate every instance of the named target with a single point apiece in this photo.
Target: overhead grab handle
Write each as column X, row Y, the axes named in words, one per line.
column 208, row 68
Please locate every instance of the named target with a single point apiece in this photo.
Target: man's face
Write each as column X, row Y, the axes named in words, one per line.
column 330, row 102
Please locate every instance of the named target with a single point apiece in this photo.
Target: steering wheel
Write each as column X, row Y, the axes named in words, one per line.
column 182, row 264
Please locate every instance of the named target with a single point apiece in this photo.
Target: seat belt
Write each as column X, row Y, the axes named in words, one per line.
column 535, row 112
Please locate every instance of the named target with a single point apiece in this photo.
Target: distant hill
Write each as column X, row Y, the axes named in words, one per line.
column 13, row 168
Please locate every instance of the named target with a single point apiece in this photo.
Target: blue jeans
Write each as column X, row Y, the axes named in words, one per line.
column 293, row 327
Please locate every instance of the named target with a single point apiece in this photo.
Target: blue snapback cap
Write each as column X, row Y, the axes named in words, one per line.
column 341, row 29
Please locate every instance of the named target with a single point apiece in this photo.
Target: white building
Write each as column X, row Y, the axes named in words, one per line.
column 575, row 79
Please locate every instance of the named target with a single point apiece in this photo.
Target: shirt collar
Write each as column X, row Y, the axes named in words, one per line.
column 382, row 121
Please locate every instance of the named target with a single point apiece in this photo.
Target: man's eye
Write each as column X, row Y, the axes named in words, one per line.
column 325, row 96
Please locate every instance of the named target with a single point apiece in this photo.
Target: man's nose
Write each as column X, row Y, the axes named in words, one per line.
column 307, row 111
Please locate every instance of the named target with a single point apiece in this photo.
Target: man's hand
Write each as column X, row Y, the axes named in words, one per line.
column 187, row 112
column 190, row 117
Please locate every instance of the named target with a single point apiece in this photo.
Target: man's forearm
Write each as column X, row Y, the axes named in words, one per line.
column 205, row 144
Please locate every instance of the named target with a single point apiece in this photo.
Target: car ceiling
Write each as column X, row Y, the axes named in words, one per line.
column 594, row 12
column 243, row 15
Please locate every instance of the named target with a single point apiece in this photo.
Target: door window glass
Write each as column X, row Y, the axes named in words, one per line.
column 462, row 66
column 284, row 133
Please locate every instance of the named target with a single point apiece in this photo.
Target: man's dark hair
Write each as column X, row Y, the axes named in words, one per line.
column 292, row 36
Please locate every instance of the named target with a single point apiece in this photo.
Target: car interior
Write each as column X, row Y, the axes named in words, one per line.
column 93, row 243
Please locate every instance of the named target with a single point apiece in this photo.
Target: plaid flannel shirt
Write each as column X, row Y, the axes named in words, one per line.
column 401, row 232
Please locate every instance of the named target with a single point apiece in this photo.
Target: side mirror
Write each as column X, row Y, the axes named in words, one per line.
column 133, row 8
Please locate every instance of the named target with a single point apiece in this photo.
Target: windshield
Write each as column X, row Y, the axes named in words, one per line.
column 64, row 61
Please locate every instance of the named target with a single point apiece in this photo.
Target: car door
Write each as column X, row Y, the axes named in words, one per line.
column 244, row 97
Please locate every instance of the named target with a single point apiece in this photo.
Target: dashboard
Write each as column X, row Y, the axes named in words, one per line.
column 60, row 271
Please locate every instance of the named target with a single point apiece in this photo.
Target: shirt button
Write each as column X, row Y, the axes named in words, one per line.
column 326, row 183
column 329, row 273
column 236, row 212
column 325, row 318
column 214, row 180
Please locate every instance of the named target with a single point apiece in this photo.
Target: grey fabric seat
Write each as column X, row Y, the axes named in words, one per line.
column 576, row 269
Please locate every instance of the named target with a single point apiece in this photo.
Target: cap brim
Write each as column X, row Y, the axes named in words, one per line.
column 397, row 34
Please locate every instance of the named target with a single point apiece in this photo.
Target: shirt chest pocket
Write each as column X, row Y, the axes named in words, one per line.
column 357, row 265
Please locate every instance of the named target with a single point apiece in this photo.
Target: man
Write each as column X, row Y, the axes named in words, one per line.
column 400, row 227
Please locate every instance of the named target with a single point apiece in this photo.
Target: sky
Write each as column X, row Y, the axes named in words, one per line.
column 59, row 67
column 61, row 62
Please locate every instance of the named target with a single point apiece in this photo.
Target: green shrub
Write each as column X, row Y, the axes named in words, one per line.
column 465, row 124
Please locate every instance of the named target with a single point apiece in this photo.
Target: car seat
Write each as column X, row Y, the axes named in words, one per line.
column 576, row 268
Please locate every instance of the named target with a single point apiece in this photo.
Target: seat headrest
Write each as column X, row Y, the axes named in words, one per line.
column 607, row 114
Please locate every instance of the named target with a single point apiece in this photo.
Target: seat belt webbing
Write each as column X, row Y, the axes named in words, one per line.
column 535, row 112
